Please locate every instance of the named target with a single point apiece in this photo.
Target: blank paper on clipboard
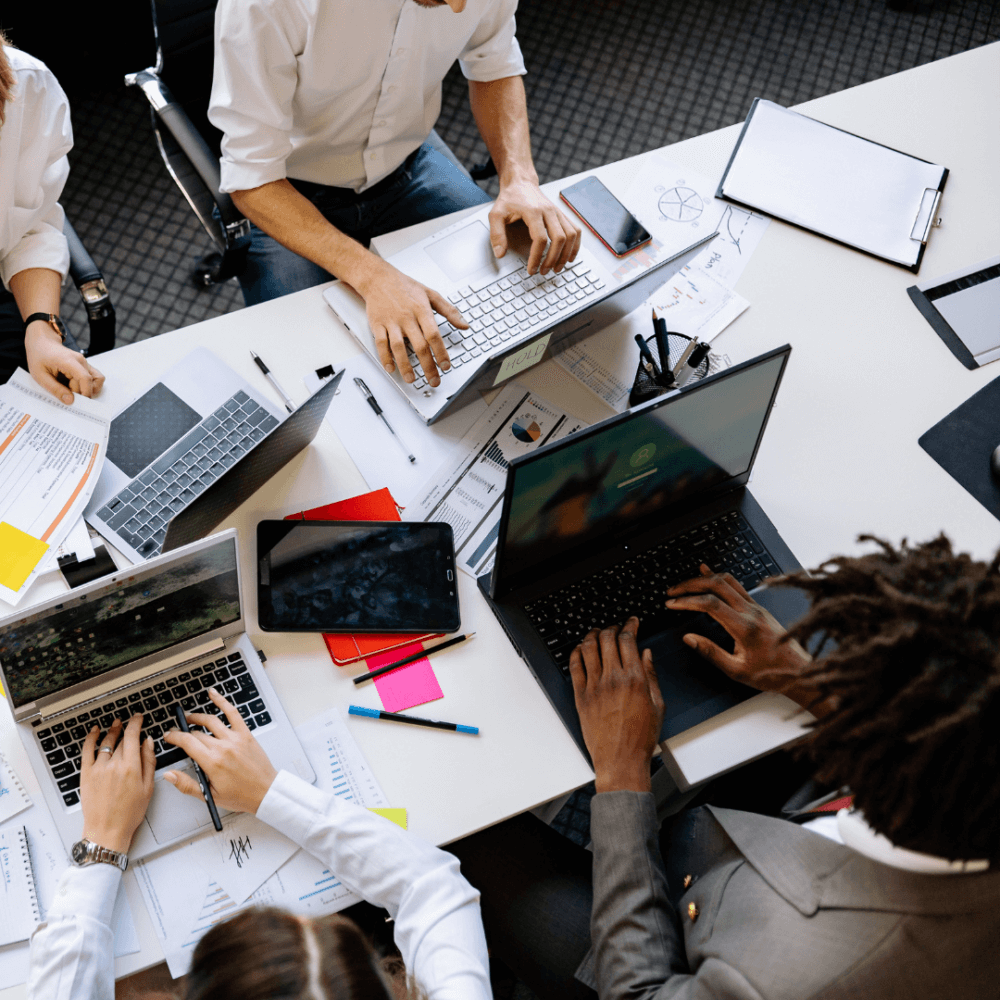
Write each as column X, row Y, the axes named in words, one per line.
column 834, row 183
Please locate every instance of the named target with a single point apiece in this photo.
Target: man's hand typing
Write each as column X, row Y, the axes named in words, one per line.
column 620, row 705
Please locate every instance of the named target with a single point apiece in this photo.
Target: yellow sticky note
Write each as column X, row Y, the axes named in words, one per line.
column 397, row 816
column 19, row 555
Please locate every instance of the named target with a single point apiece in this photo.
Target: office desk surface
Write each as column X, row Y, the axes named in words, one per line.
column 840, row 456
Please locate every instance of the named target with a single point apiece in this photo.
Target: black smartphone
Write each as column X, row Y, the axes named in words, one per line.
column 605, row 216
column 356, row 576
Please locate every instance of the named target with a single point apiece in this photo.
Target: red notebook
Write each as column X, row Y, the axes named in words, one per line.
column 375, row 506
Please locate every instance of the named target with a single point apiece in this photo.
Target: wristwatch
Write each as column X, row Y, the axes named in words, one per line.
column 52, row 319
column 86, row 852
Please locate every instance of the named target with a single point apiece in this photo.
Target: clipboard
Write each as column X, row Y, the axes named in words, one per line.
column 850, row 189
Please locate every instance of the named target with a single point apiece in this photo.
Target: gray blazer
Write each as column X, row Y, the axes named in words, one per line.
column 781, row 914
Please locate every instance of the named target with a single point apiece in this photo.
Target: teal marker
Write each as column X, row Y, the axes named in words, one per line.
column 375, row 713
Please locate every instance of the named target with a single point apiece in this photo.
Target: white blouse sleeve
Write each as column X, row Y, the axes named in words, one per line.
column 39, row 134
column 438, row 927
column 71, row 951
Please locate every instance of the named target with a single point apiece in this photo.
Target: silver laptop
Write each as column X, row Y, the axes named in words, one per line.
column 188, row 450
column 516, row 319
column 142, row 640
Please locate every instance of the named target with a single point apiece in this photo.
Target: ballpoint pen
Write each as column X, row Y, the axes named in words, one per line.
column 373, row 403
column 662, row 347
column 682, row 361
column 693, row 357
column 199, row 773
column 372, row 674
column 647, row 357
column 289, row 405
column 377, row 713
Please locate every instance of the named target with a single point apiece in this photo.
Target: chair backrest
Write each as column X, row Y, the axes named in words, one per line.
column 185, row 31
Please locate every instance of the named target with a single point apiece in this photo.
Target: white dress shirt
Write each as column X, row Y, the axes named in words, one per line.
column 339, row 92
column 34, row 139
column 438, row 927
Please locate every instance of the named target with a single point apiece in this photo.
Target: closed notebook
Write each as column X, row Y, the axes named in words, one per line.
column 839, row 185
column 18, row 900
column 375, row 506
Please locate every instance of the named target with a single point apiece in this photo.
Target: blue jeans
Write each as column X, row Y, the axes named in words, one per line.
column 426, row 186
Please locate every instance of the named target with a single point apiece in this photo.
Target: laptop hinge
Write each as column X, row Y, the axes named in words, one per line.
column 119, row 683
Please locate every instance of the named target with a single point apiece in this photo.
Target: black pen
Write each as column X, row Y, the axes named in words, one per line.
column 289, row 405
column 647, row 356
column 379, row 671
column 376, row 713
column 202, row 780
column 373, row 403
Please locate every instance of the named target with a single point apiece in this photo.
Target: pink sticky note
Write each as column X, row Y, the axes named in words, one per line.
column 405, row 687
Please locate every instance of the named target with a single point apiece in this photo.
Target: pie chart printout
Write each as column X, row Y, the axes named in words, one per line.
column 525, row 431
column 681, row 204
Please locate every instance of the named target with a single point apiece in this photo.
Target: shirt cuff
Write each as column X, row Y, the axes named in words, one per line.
column 291, row 806
column 87, row 892
column 484, row 67
column 44, row 249
column 246, row 176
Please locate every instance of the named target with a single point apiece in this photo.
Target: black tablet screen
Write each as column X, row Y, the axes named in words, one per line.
column 356, row 576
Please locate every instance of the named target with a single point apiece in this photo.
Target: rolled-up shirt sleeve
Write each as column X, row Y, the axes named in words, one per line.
column 71, row 951
column 35, row 218
column 438, row 926
column 493, row 51
column 253, row 87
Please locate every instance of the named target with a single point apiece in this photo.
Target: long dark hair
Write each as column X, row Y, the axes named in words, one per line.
column 268, row 954
column 915, row 680
column 7, row 79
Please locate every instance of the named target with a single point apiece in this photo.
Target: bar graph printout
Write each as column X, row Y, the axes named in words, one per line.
column 184, row 908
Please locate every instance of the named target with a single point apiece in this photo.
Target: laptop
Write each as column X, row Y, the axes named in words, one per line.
column 597, row 527
column 516, row 319
column 188, row 450
column 141, row 640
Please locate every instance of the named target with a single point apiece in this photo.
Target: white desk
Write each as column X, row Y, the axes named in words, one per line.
column 840, row 456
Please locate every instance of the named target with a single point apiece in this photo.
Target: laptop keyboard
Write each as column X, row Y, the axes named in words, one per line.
column 62, row 742
column 510, row 307
column 141, row 512
column 638, row 585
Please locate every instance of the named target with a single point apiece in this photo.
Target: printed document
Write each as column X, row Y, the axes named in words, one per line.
column 50, row 460
column 467, row 489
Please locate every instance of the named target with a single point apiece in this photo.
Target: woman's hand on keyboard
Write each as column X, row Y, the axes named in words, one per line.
column 237, row 768
column 399, row 307
column 115, row 788
column 761, row 657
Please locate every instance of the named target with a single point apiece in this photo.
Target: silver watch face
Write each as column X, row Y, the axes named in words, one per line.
column 80, row 851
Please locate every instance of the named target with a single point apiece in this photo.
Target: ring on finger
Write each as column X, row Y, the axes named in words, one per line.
column 107, row 750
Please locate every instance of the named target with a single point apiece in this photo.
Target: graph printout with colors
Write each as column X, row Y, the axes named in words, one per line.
column 50, row 459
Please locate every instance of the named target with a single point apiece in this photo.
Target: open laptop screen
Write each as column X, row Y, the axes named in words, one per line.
column 619, row 474
column 118, row 624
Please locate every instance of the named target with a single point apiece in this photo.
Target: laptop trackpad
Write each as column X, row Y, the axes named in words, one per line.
column 172, row 814
column 693, row 688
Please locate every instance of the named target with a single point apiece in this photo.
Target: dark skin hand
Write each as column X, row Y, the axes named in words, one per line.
column 759, row 659
column 620, row 706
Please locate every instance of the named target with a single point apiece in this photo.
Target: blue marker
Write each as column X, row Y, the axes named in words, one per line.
column 375, row 713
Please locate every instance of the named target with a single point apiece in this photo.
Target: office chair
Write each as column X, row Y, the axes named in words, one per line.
column 89, row 281
column 178, row 89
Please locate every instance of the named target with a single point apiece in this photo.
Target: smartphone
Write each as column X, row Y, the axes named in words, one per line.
column 356, row 576
column 605, row 216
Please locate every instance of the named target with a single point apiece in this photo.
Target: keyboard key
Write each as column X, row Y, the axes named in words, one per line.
column 63, row 770
column 79, row 733
column 238, row 667
column 159, row 715
column 42, row 733
column 71, row 798
column 48, row 744
column 263, row 719
column 222, row 673
column 231, row 686
column 73, row 751
column 170, row 755
column 58, row 727
column 56, row 757
column 63, row 738
column 135, row 696
column 69, row 784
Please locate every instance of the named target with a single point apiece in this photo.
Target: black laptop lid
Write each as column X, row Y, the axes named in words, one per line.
column 632, row 470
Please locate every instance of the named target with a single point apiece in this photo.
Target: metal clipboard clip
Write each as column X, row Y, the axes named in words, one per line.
column 926, row 220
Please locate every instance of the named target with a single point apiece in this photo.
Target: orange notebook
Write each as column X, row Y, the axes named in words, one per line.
column 375, row 506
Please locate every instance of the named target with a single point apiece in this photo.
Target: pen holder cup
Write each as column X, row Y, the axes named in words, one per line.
column 644, row 386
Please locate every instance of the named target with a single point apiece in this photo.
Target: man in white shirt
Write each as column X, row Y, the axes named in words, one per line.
column 326, row 107
column 35, row 136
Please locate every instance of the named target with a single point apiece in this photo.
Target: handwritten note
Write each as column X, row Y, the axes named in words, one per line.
column 523, row 359
column 405, row 687
column 245, row 855
column 13, row 797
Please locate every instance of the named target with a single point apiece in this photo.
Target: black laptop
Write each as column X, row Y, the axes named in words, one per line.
column 597, row 527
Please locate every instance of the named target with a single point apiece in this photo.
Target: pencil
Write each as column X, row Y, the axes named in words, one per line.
column 411, row 658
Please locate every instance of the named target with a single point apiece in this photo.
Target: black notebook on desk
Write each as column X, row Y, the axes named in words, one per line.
column 834, row 183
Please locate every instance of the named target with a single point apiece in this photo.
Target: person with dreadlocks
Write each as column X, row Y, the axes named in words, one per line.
column 896, row 897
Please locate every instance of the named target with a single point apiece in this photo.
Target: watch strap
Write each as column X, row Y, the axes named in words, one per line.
column 52, row 319
column 95, row 854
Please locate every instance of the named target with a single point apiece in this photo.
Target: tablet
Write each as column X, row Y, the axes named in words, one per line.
column 356, row 576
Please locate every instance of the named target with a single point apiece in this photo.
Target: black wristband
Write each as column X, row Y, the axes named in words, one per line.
column 52, row 319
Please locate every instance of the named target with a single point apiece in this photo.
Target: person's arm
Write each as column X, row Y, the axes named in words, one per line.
column 635, row 934
column 501, row 114
column 438, row 927
column 71, row 954
column 397, row 306
column 37, row 289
